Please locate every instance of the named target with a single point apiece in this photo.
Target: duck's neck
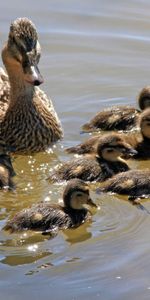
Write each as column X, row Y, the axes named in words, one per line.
column 19, row 88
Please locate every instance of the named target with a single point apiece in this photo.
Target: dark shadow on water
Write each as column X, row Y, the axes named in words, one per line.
column 16, row 260
column 78, row 235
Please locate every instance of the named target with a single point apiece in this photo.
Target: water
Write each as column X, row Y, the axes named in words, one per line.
column 94, row 54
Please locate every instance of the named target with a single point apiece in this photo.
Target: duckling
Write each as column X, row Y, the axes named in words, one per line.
column 140, row 141
column 46, row 217
column 28, row 120
column 6, row 168
column 104, row 164
column 119, row 117
column 135, row 183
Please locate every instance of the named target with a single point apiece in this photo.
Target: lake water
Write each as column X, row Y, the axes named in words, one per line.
column 94, row 54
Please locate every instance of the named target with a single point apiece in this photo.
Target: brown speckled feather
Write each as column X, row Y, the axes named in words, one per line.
column 4, row 91
column 134, row 183
column 28, row 120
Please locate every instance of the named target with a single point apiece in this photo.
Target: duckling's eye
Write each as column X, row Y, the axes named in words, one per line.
column 79, row 194
column 110, row 150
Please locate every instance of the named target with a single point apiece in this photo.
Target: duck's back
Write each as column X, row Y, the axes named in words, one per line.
column 133, row 182
column 114, row 118
column 39, row 217
column 88, row 168
column 45, row 217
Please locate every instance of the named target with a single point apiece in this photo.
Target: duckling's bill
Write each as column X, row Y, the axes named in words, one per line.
column 91, row 203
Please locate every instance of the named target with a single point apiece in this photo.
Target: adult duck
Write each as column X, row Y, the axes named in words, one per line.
column 28, row 120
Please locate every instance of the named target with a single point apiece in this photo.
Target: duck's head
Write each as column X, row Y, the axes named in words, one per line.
column 144, row 98
column 144, row 123
column 76, row 195
column 23, row 50
column 5, row 158
column 111, row 147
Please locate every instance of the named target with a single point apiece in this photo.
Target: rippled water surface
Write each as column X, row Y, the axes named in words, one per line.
column 94, row 53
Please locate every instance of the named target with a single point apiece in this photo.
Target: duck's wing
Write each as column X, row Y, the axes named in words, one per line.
column 4, row 91
column 83, row 168
column 47, row 103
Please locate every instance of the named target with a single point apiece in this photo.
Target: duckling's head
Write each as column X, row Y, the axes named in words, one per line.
column 76, row 195
column 5, row 159
column 111, row 147
column 23, row 49
column 144, row 98
column 144, row 123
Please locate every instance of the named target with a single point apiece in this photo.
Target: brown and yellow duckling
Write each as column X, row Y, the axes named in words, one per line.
column 134, row 183
column 28, row 120
column 47, row 218
column 119, row 117
column 140, row 141
column 97, row 167
column 6, row 168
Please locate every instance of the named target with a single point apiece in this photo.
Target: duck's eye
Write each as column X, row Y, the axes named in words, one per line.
column 38, row 58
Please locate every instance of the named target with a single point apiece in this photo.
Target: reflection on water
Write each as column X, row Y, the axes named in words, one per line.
column 94, row 54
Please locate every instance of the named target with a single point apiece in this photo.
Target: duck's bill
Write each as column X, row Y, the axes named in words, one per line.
column 130, row 152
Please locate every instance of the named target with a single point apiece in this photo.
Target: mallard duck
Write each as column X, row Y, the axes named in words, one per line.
column 47, row 218
column 28, row 120
column 140, row 141
column 104, row 164
column 119, row 117
column 135, row 183
column 6, row 168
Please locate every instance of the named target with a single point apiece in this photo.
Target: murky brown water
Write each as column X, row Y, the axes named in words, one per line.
column 95, row 53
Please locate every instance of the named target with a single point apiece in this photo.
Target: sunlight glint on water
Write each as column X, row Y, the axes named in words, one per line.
column 94, row 54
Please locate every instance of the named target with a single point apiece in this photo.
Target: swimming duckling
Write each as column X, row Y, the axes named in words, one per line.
column 46, row 217
column 140, row 141
column 6, row 168
column 28, row 120
column 104, row 164
column 135, row 183
column 119, row 117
